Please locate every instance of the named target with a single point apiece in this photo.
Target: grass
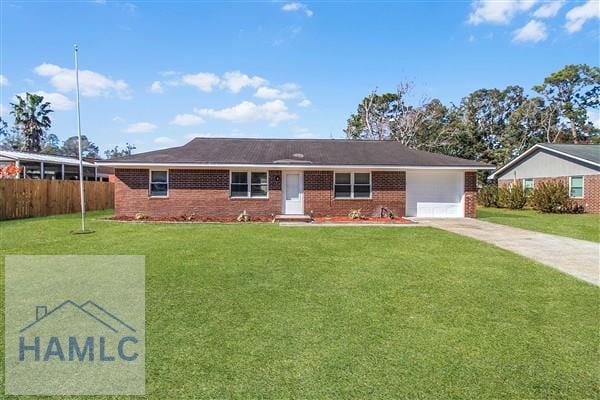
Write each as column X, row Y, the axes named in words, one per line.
column 578, row 226
column 262, row 311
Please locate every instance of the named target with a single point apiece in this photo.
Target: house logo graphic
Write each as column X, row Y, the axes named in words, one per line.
column 113, row 340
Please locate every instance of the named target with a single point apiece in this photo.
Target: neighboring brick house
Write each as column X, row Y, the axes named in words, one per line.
column 575, row 165
column 217, row 177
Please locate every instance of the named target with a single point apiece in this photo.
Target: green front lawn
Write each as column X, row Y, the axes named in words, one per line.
column 262, row 311
column 578, row 226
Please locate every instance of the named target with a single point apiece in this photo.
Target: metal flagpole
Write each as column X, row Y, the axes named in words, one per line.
column 81, row 190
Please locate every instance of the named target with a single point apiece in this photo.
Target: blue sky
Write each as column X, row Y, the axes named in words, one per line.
column 155, row 74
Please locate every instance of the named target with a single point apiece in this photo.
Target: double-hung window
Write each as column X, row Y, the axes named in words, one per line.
column 352, row 185
column 249, row 184
column 159, row 183
column 576, row 187
column 528, row 185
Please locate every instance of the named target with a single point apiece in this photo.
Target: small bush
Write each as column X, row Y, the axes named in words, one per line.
column 553, row 198
column 243, row 217
column 355, row 214
column 488, row 196
column 512, row 197
column 140, row 216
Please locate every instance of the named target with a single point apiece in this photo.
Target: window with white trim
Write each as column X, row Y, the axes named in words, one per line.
column 159, row 183
column 249, row 184
column 576, row 187
column 528, row 185
column 352, row 185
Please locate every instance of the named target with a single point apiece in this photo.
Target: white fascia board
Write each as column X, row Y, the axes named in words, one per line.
column 287, row 166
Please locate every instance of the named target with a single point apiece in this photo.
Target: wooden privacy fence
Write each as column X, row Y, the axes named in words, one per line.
column 22, row 198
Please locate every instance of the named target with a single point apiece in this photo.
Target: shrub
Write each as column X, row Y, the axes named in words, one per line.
column 553, row 197
column 10, row 171
column 385, row 212
column 512, row 197
column 355, row 214
column 243, row 217
column 488, row 196
column 140, row 216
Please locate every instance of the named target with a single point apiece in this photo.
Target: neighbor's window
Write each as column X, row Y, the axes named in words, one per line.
column 352, row 185
column 576, row 186
column 249, row 184
column 528, row 185
column 159, row 183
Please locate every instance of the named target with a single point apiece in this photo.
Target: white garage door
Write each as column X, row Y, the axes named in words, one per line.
column 434, row 194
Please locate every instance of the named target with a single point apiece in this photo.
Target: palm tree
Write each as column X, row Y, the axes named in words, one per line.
column 31, row 115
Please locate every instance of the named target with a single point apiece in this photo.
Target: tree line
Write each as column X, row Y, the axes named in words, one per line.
column 489, row 125
column 29, row 132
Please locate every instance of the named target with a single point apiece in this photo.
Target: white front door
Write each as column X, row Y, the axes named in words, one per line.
column 293, row 193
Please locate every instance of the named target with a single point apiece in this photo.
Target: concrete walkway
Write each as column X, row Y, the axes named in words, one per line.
column 579, row 258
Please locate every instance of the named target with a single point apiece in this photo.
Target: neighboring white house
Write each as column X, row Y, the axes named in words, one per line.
column 576, row 165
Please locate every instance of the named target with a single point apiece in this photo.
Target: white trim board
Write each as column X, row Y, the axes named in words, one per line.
column 288, row 167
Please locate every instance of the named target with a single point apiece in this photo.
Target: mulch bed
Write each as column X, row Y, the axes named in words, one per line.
column 233, row 220
column 363, row 220
column 188, row 219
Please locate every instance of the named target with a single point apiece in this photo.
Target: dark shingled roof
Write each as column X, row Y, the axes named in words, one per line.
column 321, row 152
column 588, row 152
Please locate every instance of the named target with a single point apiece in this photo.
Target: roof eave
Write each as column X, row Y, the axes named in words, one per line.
column 141, row 164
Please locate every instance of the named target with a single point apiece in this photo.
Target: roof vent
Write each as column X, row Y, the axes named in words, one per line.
column 298, row 155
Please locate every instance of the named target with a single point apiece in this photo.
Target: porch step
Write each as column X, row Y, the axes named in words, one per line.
column 293, row 218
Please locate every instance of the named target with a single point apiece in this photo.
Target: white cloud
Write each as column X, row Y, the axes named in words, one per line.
column 118, row 119
column 3, row 80
column 305, row 103
column 204, row 81
column 91, row 83
column 274, row 112
column 497, row 11
column 578, row 16
column 2, row 109
column 186, row 120
column 58, row 101
column 165, row 140
column 534, row 31
column 284, row 93
column 236, row 81
column 549, row 10
column 156, row 87
column 140, row 127
column 295, row 6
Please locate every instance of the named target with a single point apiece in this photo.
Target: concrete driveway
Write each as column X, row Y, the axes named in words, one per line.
column 579, row 258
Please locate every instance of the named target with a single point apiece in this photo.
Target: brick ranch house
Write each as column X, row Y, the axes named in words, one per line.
column 575, row 165
column 221, row 177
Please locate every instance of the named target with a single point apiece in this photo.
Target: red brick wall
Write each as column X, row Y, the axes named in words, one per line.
column 470, row 194
column 202, row 192
column 388, row 190
column 591, row 190
column 591, row 193
column 206, row 193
